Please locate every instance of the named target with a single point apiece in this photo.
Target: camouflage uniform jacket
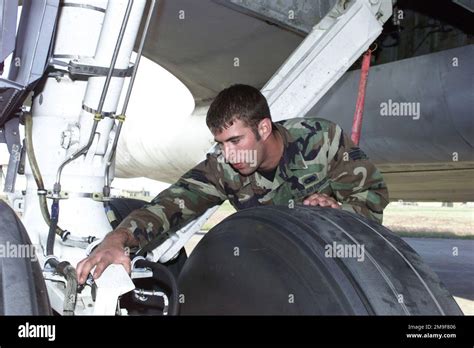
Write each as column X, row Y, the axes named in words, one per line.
column 318, row 157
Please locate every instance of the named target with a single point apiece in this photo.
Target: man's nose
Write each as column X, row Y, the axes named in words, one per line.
column 228, row 153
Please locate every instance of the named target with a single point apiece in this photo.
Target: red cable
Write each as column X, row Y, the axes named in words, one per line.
column 357, row 123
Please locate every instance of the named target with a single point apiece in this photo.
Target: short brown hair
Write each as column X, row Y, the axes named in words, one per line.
column 241, row 102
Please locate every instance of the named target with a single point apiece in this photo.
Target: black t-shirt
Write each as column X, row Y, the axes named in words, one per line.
column 269, row 175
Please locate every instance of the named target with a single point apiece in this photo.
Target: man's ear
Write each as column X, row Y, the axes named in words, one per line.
column 265, row 128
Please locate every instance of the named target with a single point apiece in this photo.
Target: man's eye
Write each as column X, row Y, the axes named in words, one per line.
column 235, row 141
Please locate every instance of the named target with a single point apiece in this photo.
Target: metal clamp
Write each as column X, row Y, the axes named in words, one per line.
column 135, row 259
column 87, row 70
column 90, row 248
column 46, row 265
column 96, row 196
column 60, row 195
column 142, row 295
column 95, row 113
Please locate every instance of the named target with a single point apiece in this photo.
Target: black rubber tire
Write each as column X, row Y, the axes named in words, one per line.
column 22, row 287
column 271, row 261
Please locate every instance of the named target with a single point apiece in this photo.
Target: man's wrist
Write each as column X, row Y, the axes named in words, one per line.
column 122, row 236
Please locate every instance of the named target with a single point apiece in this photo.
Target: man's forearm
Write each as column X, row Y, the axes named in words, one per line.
column 121, row 236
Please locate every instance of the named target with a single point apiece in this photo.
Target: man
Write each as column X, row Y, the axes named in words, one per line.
column 302, row 160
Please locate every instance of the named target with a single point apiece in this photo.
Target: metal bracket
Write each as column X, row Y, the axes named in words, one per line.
column 94, row 111
column 333, row 45
column 90, row 70
column 8, row 15
column 99, row 197
column 11, row 136
column 170, row 247
column 61, row 195
column 29, row 61
column 96, row 196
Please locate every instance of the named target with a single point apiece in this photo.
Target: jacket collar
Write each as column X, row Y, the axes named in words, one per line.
column 292, row 159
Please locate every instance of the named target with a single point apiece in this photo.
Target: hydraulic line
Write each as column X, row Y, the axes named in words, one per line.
column 98, row 116
column 52, row 227
column 66, row 236
column 141, row 294
column 161, row 272
column 121, row 118
column 65, row 269
column 36, row 172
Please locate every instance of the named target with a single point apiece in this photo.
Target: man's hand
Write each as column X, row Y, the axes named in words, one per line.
column 111, row 251
column 322, row 200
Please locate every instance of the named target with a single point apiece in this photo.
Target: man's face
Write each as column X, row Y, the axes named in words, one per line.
column 240, row 147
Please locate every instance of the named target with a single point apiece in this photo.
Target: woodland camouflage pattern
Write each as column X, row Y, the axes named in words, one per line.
column 318, row 158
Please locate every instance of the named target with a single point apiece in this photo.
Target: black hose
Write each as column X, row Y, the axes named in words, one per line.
column 65, row 269
column 163, row 274
column 37, row 174
column 52, row 227
column 69, row 272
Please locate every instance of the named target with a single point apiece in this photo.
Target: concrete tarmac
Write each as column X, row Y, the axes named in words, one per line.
column 453, row 261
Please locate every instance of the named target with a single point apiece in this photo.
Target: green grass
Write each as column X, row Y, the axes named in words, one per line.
column 430, row 222
column 429, row 234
